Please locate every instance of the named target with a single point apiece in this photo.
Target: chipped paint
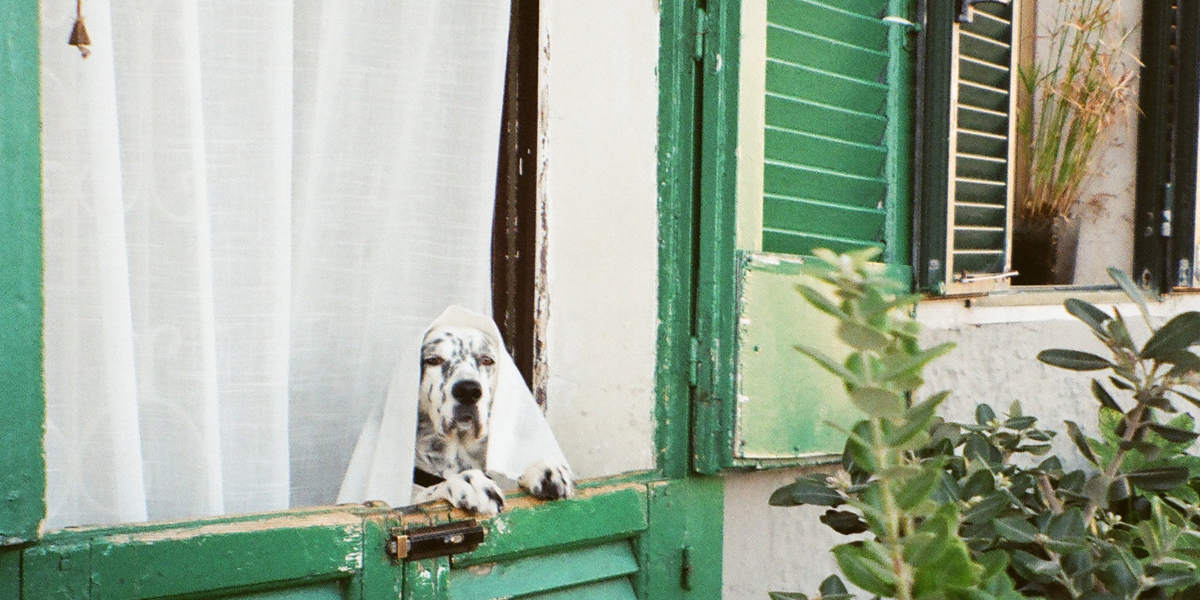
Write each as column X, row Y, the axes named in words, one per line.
column 351, row 527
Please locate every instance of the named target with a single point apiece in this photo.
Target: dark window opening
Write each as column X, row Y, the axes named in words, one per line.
column 514, row 235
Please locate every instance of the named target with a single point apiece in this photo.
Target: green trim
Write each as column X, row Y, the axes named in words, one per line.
column 22, row 399
column 932, row 210
column 898, row 139
column 560, row 525
column 716, row 294
column 676, row 174
column 686, row 524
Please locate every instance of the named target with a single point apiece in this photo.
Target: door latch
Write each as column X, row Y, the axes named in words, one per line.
column 431, row 542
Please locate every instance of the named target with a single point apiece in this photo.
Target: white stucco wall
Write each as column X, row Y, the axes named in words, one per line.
column 768, row 548
column 600, row 134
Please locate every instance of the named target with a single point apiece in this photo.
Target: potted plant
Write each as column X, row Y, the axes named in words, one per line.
column 1075, row 92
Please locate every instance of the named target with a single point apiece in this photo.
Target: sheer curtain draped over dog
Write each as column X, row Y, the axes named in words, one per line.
column 518, row 435
column 250, row 205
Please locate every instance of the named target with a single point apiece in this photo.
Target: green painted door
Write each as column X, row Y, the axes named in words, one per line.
column 623, row 541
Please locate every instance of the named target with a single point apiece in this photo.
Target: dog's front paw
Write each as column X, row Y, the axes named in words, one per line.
column 475, row 492
column 549, row 481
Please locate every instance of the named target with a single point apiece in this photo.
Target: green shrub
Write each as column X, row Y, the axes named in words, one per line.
column 983, row 510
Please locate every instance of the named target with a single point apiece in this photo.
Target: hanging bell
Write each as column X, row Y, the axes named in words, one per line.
column 79, row 38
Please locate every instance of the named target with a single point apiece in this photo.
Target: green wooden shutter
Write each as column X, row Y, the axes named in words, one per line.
column 825, row 154
column 820, row 142
column 969, row 227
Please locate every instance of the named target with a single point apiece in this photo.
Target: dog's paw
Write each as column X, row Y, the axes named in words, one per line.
column 474, row 492
column 548, row 481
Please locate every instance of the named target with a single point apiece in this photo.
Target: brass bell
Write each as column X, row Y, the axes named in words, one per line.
column 79, row 38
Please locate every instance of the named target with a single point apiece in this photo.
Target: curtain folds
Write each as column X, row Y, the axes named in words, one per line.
column 249, row 207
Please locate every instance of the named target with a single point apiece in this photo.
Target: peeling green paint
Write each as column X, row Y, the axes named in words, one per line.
column 22, row 480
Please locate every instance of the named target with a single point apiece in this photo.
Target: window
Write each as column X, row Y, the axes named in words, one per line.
column 975, row 232
column 851, row 124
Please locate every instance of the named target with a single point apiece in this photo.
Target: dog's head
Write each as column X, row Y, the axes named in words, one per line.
column 459, row 370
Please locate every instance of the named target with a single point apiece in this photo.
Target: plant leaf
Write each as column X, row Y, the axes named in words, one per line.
column 916, row 361
column 1015, row 529
column 878, row 402
column 1106, row 399
column 1181, row 331
column 1074, row 360
column 820, row 301
column 861, row 337
column 809, row 489
column 916, row 419
column 984, row 414
column 1173, row 434
column 917, row 488
column 786, row 596
column 1089, row 314
column 832, row 586
column 861, row 568
column 830, row 365
column 1081, row 442
column 1175, row 579
column 1159, row 479
column 844, row 522
column 1131, row 289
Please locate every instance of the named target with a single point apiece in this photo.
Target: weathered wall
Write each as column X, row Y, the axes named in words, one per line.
column 599, row 180
column 768, row 548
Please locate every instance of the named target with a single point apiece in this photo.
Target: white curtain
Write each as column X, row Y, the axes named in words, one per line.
column 250, row 206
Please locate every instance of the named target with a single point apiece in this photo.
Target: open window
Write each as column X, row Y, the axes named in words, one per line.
column 651, row 532
column 849, row 124
column 1057, row 141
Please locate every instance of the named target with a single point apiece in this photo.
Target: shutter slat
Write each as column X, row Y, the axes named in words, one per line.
column 850, row 27
column 822, row 185
column 824, row 53
column 809, row 83
column 822, row 119
column 791, row 242
column 821, row 151
column 795, row 214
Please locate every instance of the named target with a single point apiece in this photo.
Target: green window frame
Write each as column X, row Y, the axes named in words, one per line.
column 667, row 519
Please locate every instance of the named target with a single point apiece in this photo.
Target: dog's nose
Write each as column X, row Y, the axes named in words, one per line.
column 467, row 392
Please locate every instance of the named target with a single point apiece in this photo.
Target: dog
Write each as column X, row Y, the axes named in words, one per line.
column 459, row 374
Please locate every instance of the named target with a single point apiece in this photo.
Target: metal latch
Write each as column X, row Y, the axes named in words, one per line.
column 439, row 540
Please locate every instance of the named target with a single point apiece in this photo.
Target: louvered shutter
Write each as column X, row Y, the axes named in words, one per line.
column 825, row 181
column 967, row 241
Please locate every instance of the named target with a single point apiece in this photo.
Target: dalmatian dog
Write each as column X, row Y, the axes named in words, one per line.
column 459, row 373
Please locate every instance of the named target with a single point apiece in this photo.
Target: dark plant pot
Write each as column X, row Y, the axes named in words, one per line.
column 1043, row 252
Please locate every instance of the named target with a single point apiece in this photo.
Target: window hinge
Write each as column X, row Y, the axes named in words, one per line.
column 1168, row 207
column 701, row 21
column 694, row 362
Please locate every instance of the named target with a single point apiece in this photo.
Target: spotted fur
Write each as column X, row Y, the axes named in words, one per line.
column 459, row 371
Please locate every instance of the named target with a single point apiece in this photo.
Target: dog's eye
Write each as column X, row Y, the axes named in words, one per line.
column 433, row 361
column 487, row 361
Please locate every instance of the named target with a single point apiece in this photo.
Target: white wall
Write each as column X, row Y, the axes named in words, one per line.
column 599, row 179
column 786, row 549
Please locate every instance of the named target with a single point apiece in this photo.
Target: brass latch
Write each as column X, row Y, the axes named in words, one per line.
column 439, row 540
